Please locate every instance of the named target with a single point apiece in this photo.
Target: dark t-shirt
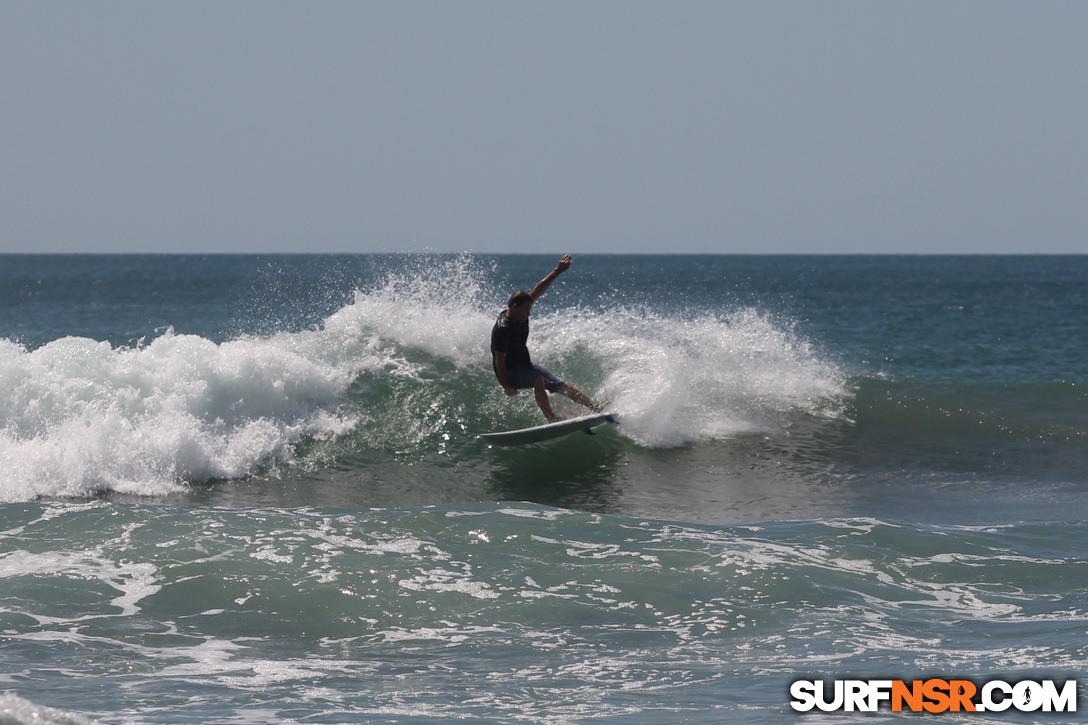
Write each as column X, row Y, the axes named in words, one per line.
column 512, row 338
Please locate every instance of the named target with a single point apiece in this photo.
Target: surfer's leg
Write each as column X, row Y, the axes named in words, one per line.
column 554, row 385
column 542, row 400
column 541, row 381
column 576, row 395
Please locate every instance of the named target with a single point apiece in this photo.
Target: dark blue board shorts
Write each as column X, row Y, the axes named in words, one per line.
column 522, row 378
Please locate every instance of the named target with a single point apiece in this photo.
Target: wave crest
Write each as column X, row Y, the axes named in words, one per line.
column 81, row 416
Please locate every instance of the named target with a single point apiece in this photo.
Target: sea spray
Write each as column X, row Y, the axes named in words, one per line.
column 438, row 307
column 675, row 379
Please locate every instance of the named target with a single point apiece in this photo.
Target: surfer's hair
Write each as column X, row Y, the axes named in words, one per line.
column 519, row 298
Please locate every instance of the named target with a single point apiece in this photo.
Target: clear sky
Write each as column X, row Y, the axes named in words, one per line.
column 586, row 126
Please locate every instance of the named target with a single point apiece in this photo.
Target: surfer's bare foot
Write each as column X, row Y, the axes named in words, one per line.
column 554, row 418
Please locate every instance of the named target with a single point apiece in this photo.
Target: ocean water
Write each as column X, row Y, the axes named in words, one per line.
column 248, row 489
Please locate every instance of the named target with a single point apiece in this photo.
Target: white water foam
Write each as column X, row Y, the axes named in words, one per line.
column 675, row 380
column 80, row 416
column 15, row 710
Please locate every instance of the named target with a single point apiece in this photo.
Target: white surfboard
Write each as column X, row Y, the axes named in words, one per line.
column 548, row 430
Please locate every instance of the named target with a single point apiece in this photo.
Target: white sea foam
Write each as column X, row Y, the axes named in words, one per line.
column 133, row 581
column 15, row 710
column 676, row 379
column 78, row 416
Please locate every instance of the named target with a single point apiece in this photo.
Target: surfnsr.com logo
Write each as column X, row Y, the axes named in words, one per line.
column 934, row 695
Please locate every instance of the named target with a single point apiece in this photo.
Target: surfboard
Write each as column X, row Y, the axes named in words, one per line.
column 548, row 430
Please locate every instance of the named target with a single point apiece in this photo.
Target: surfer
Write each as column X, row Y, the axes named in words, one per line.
column 510, row 351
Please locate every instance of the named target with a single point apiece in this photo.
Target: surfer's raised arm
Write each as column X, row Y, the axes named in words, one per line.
column 543, row 285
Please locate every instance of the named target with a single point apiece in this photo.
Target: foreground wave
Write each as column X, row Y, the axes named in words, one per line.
column 454, row 612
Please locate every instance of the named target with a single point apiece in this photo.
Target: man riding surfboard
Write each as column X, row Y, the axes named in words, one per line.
column 510, row 352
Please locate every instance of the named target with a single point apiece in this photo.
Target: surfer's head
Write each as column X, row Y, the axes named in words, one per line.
column 519, row 306
column 519, row 298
